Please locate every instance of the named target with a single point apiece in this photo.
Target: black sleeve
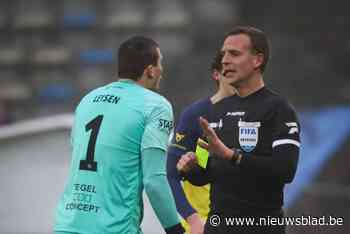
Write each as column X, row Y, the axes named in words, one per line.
column 177, row 229
column 285, row 145
column 198, row 176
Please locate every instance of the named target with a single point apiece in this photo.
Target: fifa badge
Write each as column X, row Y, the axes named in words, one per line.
column 248, row 135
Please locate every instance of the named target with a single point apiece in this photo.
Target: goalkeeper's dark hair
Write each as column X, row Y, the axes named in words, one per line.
column 134, row 55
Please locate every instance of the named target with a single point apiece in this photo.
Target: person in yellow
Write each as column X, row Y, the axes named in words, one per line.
column 192, row 202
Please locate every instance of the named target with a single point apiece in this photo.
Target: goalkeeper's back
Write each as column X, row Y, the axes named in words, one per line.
column 104, row 189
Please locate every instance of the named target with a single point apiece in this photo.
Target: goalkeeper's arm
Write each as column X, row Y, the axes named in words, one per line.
column 158, row 191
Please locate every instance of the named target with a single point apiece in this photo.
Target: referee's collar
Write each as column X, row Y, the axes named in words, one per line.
column 257, row 92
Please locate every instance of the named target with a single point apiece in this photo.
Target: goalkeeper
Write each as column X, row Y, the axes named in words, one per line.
column 119, row 140
column 192, row 202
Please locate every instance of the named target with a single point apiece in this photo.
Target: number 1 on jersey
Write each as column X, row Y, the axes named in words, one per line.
column 89, row 164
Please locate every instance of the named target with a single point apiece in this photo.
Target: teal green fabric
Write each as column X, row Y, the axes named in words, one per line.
column 126, row 119
column 157, row 187
column 66, row 233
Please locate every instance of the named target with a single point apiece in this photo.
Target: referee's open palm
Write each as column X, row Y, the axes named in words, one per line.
column 214, row 144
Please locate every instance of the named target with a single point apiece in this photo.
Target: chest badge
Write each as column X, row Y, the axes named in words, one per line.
column 248, row 135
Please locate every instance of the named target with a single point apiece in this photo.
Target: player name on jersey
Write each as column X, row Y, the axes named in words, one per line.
column 106, row 98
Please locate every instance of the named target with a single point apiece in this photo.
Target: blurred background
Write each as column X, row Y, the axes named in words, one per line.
column 54, row 52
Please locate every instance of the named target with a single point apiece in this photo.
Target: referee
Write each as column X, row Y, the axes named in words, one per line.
column 255, row 152
column 192, row 201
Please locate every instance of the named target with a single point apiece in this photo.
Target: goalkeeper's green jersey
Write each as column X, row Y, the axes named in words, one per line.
column 112, row 125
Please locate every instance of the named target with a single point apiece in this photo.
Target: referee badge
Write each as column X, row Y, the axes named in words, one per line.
column 248, row 135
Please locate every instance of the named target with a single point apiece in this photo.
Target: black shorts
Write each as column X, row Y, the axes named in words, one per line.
column 257, row 223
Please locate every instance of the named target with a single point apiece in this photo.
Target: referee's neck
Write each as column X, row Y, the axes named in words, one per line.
column 223, row 92
column 250, row 86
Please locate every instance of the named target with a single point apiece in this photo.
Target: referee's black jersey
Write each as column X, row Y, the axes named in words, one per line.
column 265, row 127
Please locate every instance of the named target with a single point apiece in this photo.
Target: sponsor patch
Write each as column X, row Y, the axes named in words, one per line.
column 217, row 124
column 164, row 124
column 179, row 137
column 293, row 127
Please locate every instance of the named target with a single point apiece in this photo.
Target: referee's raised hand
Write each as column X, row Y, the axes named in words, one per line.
column 214, row 144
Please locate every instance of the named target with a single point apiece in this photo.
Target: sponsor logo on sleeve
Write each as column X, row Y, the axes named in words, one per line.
column 166, row 125
column 177, row 143
column 179, row 137
column 293, row 127
column 218, row 125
